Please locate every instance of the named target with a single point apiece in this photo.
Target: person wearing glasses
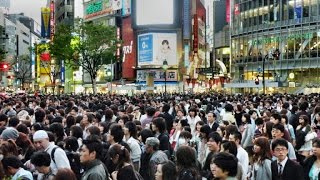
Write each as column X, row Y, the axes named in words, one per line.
column 284, row 168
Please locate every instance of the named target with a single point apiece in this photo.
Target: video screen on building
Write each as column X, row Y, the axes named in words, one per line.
column 155, row 48
column 154, row 12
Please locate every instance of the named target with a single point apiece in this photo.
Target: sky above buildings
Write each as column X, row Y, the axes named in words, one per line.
column 31, row 8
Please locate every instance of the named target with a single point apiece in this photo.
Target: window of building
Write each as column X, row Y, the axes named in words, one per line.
column 26, row 42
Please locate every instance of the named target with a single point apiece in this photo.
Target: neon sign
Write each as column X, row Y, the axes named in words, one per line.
column 94, row 7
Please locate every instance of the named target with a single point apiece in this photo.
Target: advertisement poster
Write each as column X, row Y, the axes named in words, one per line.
column 126, row 7
column 45, row 22
column 165, row 46
column 116, row 4
column 154, row 48
column 145, row 49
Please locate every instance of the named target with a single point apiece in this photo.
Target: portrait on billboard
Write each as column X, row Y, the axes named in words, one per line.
column 166, row 48
column 154, row 48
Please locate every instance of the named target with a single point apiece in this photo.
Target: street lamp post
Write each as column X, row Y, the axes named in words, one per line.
column 263, row 75
column 109, row 75
column 165, row 67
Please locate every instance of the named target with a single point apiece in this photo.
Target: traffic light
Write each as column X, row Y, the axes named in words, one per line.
column 4, row 66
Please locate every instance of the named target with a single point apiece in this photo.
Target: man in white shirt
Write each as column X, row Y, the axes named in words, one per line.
column 41, row 142
column 242, row 154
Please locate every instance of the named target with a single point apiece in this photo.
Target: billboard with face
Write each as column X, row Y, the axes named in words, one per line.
column 155, row 48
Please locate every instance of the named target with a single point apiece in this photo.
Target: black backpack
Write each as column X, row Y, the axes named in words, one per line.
column 74, row 160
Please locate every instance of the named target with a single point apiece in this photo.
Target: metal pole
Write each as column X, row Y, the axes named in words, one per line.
column 111, row 76
column 165, row 83
column 263, row 75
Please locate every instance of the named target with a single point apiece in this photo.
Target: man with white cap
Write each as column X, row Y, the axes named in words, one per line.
column 58, row 157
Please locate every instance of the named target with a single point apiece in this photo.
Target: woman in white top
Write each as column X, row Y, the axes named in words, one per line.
column 193, row 118
column 304, row 125
column 130, row 132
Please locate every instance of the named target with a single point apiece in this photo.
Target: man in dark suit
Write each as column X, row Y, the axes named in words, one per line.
column 168, row 117
column 283, row 168
column 211, row 118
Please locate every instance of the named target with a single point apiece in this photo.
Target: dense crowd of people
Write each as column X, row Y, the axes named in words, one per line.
column 160, row 137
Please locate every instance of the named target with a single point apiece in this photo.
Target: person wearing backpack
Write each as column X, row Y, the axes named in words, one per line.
column 58, row 156
column 70, row 147
column 120, row 156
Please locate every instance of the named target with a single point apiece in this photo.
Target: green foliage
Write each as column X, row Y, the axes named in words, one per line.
column 88, row 45
column 97, row 46
column 60, row 48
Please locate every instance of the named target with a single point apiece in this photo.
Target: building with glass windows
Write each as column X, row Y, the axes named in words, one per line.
column 278, row 40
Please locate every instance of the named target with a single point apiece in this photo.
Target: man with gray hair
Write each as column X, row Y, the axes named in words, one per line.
column 156, row 156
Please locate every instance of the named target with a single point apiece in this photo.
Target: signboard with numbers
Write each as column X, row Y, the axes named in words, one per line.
column 159, row 75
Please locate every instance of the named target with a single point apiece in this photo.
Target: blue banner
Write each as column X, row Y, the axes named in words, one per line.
column 145, row 48
column 62, row 77
column 186, row 19
column 298, row 11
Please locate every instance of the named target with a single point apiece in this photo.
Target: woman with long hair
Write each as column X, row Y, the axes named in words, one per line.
column 130, row 136
column 186, row 164
column 304, row 136
column 166, row 171
column 248, row 133
column 261, row 165
column 120, row 156
column 312, row 164
column 26, row 147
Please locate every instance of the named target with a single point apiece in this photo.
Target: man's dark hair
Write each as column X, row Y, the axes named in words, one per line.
column 71, row 144
column 279, row 142
column 150, row 111
column 77, row 131
column 228, row 107
column 13, row 121
column 216, row 137
column 132, row 128
column 166, row 107
column 93, row 143
column 303, row 106
column 145, row 133
column 276, row 116
column 160, row 123
column 279, row 127
column 230, row 146
column 237, row 136
column 117, row 132
column 39, row 115
column 227, row 162
column 43, row 104
column 259, row 121
column 252, row 111
column 41, row 158
column 4, row 118
column 12, row 161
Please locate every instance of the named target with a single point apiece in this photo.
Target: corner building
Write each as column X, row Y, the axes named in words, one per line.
column 278, row 39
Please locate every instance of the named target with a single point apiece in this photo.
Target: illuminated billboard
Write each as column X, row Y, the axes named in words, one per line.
column 154, row 48
column 45, row 22
column 155, row 13
column 97, row 8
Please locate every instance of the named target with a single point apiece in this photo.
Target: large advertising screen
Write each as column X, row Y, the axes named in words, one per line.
column 128, row 49
column 45, row 22
column 154, row 12
column 154, row 48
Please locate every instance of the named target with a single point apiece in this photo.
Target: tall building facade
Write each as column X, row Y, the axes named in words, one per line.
column 275, row 40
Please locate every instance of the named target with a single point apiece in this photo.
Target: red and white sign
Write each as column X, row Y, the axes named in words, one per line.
column 128, row 49
column 236, row 9
column 52, row 30
column 195, row 33
column 228, row 11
